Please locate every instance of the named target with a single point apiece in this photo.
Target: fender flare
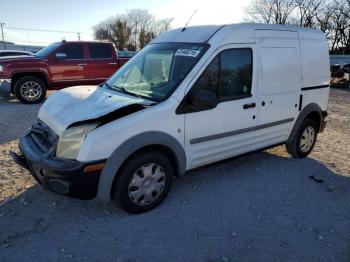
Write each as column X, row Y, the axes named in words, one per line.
column 129, row 147
column 40, row 71
column 310, row 108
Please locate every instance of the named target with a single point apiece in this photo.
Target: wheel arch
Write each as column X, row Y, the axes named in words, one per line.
column 18, row 75
column 146, row 141
column 312, row 111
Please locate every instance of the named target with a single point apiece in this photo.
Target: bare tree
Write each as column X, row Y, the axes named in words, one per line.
column 324, row 20
column 132, row 30
column 145, row 38
column 271, row 11
column 330, row 16
column 338, row 32
column 102, row 31
column 121, row 32
column 308, row 10
column 159, row 26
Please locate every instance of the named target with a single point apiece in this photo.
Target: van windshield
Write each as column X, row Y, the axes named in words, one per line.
column 157, row 70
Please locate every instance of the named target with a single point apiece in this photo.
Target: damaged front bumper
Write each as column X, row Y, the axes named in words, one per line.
column 65, row 177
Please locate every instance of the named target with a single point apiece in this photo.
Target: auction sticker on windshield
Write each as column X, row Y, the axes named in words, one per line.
column 187, row 52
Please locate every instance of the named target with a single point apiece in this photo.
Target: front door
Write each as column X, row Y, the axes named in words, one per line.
column 69, row 67
column 227, row 129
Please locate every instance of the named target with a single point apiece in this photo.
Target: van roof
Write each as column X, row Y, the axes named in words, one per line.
column 243, row 32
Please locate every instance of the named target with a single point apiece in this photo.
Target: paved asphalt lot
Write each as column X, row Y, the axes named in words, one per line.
column 263, row 206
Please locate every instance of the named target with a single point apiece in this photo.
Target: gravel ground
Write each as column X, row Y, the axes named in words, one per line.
column 263, row 206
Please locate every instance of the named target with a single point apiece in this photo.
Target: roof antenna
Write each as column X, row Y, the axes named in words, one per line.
column 183, row 29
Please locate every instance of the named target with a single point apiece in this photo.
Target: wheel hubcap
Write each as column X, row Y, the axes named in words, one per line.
column 31, row 90
column 307, row 139
column 146, row 184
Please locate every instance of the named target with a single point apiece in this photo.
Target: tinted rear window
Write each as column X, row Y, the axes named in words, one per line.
column 100, row 51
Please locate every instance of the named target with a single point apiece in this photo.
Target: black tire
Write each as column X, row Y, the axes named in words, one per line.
column 30, row 80
column 294, row 146
column 121, row 187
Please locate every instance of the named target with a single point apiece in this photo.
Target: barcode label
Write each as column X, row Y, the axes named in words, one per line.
column 187, row 52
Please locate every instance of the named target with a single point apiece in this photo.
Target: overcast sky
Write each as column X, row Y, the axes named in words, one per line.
column 82, row 15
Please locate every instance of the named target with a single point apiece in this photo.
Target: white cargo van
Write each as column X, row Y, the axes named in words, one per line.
column 191, row 97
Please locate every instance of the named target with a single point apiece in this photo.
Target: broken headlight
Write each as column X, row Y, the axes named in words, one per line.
column 71, row 140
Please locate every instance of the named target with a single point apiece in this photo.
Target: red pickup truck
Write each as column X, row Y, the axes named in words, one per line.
column 57, row 66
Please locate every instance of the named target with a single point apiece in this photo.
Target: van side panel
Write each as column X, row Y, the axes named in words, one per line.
column 279, row 84
column 280, row 70
column 316, row 96
column 276, row 38
column 314, row 59
column 315, row 68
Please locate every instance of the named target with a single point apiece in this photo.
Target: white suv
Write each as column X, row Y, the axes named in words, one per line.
column 192, row 97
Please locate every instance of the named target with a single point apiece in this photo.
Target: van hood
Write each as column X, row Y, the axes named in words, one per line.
column 77, row 104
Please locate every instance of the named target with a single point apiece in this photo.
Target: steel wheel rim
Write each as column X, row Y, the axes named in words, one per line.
column 307, row 139
column 146, row 184
column 31, row 90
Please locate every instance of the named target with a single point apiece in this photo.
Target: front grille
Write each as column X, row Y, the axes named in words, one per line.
column 42, row 138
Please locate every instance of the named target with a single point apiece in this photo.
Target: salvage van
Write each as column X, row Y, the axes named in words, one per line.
column 191, row 97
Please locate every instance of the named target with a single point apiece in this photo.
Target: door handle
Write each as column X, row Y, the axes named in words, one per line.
column 82, row 64
column 251, row 105
column 112, row 63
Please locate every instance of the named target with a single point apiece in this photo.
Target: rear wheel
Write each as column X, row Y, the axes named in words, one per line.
column 304, row 140
column 30, row 90
column 144, row 181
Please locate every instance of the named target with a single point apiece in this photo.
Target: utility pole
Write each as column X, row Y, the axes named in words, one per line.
column 2, row 34
column 79, row 36
column 136, row 36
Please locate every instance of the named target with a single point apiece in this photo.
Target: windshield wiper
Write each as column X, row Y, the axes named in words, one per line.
column 108, row 85
column 124, row 91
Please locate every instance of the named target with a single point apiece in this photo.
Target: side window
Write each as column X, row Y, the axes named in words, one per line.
column 210, row 77
column 73, row 51
column 203, row 94
column 100, row 51
column 235, row 80
column 227, row 77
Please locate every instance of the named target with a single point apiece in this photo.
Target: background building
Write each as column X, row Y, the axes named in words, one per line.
column 12, row 46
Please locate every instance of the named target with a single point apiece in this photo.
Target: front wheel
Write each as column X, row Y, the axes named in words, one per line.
column 304, row 140
column 30, row 90
column 143, row 182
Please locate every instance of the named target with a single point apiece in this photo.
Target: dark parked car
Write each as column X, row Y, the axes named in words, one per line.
column 4, row 53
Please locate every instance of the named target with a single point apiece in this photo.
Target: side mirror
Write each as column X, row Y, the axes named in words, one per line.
column 204, row 99
column 61, row 56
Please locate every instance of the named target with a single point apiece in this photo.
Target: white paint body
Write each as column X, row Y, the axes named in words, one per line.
column 285, row 59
